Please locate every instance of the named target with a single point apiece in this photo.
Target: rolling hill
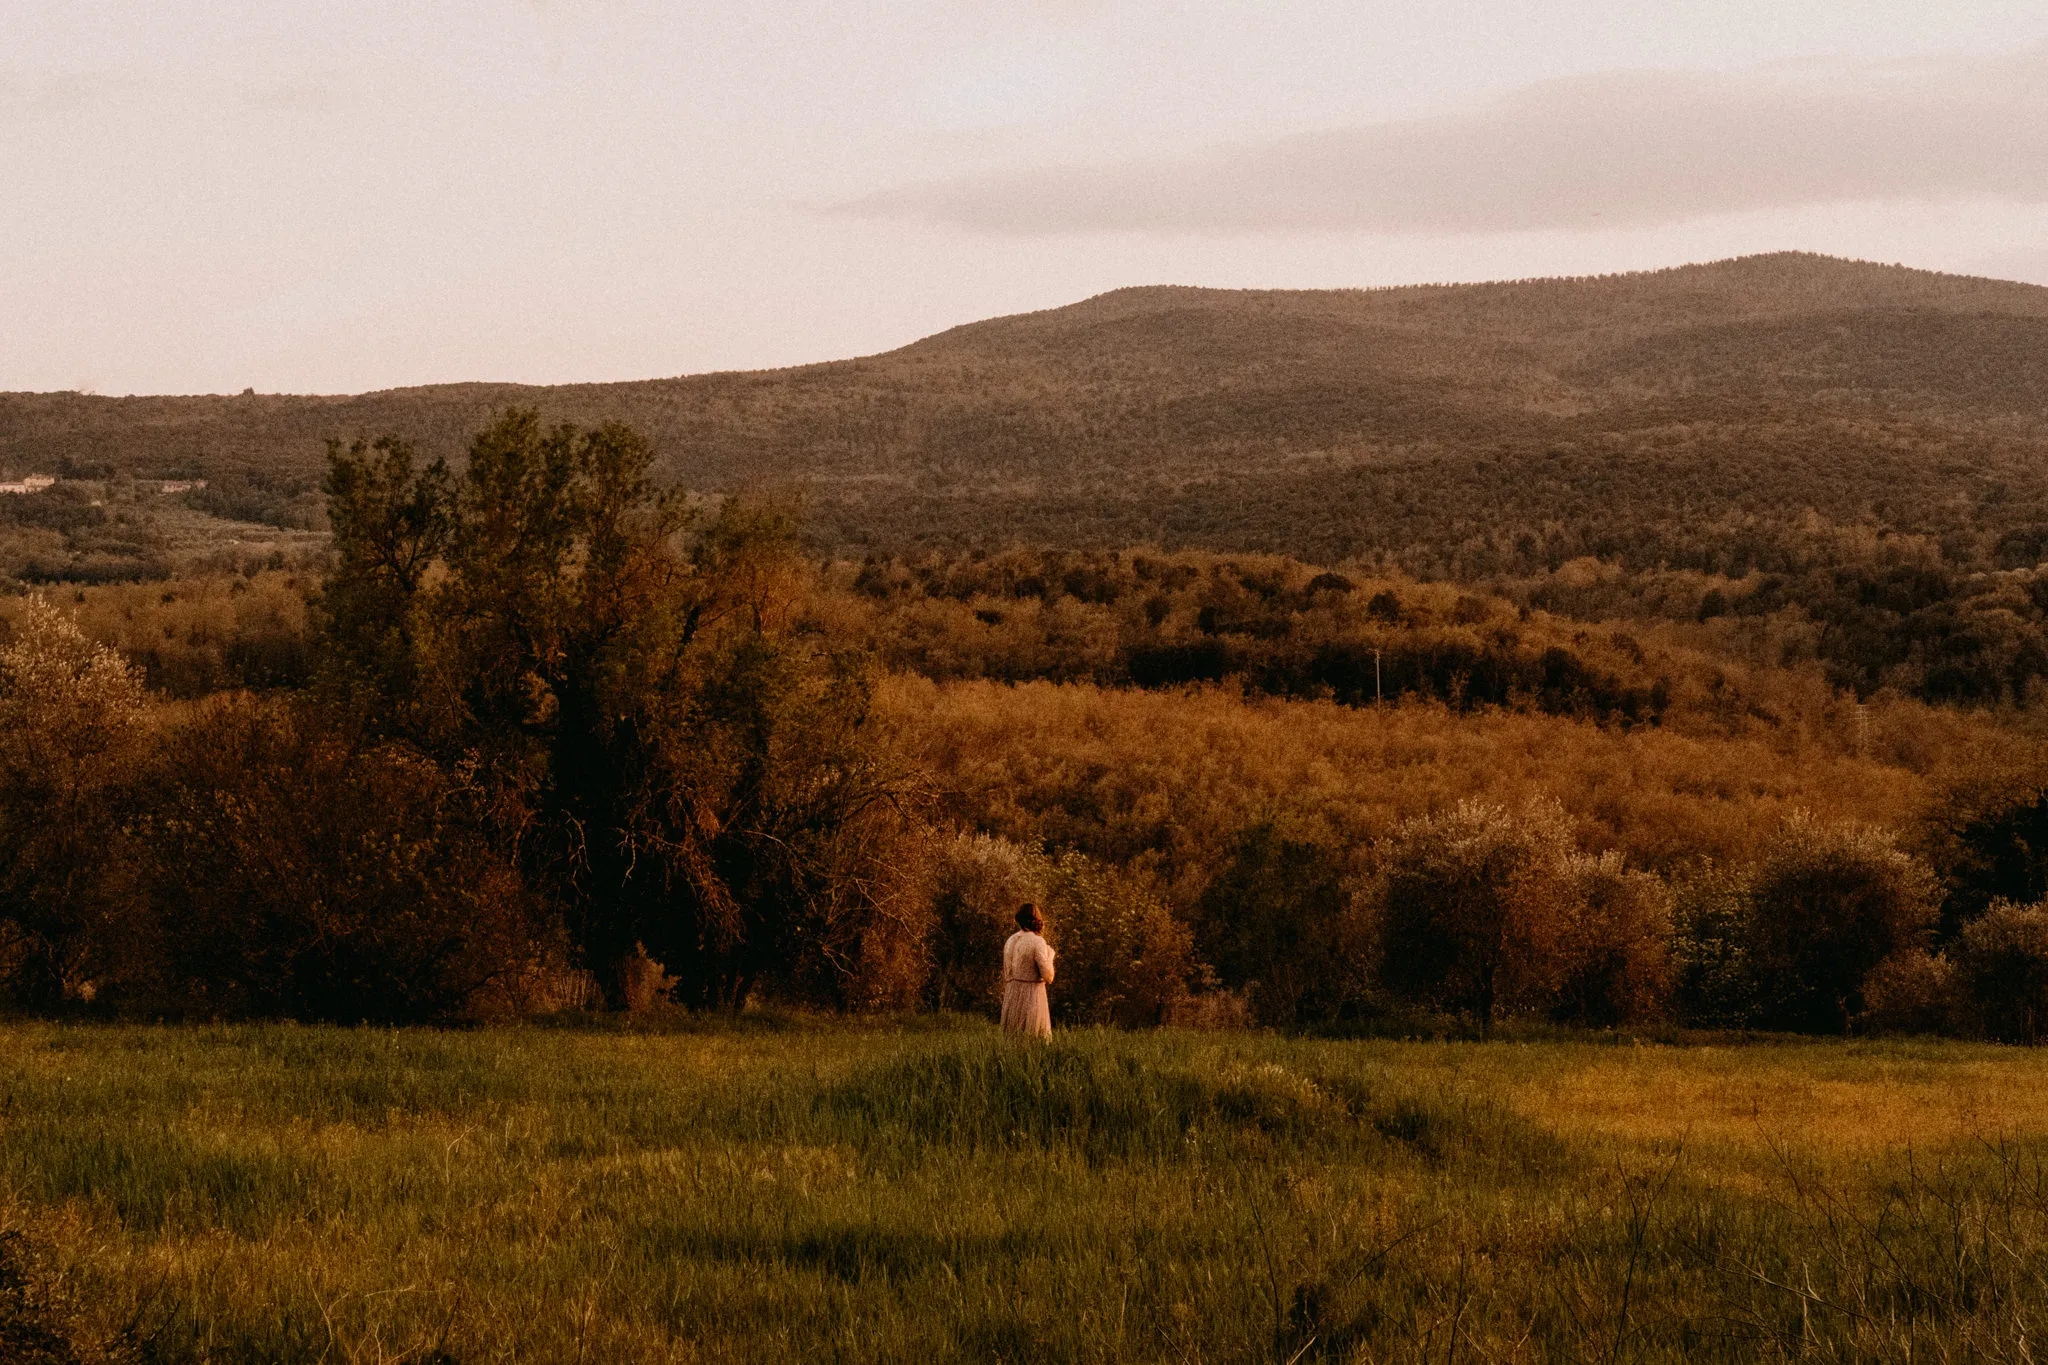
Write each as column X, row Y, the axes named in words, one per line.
column 1678, row 417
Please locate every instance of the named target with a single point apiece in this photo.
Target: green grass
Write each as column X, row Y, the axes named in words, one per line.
column 845, row 1193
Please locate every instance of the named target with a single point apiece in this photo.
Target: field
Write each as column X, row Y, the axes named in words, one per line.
column 802, row 1190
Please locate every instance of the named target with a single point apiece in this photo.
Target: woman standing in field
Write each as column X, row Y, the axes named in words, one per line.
column 1027, row 970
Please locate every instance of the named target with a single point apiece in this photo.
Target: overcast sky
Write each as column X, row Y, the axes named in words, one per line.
column 208, row 196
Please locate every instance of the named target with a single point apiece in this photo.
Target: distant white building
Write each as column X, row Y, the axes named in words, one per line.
column 180, row 485
column 34, row 483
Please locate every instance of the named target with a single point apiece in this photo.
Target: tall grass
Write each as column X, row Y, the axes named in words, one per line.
column 872, row 1194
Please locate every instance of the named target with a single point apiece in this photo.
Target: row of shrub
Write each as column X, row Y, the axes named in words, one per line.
column 1487, row 914
column 1276, row 626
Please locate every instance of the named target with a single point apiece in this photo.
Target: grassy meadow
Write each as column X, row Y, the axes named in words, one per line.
column 817, row 1191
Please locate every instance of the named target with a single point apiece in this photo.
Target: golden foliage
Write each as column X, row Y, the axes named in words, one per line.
column 200, row 634
column 1171, row 778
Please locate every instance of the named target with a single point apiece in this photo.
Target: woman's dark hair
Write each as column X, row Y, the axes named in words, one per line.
column 1028, row 918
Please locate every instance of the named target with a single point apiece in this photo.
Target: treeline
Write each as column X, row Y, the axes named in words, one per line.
column 1485, row 913
column 547, row 737
column 1873, row 614
column 1271, row 624
column 1958, row 621
column 1877, row 613
column 266, row 498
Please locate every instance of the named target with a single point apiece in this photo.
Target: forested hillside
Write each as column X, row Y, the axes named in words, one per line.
column 1444, row 425
column 1854, row 451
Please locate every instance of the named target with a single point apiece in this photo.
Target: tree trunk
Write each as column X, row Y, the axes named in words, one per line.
column 615, row 981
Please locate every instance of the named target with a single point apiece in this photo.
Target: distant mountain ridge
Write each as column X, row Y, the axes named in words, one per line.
column 1774, row 285
column 1439, row 425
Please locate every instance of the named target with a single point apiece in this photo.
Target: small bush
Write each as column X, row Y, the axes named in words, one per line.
column 1479, row 908
column 1123, row 957
column 1282, row 925
column 1827, row 904
column 977, row 884
column 72, row 724
column 1618, row 968
column 1990, row 841
column 1910, row 992
column 2001, row 958
column 1714, row 981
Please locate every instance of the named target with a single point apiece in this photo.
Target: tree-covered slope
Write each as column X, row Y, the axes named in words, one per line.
column 1460, row 429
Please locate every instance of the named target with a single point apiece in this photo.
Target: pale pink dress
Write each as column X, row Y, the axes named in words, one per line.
column 1027, row 968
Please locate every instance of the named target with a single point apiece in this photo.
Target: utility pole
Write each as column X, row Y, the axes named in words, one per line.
column 1376, row 693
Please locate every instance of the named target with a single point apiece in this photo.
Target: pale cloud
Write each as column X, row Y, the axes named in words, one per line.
column 344, row 194
column 1626, row 149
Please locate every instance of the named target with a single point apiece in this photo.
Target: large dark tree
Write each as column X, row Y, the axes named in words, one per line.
column 680, row 763
column 390, row 525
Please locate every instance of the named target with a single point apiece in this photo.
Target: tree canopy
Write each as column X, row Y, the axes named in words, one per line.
column 680, row 763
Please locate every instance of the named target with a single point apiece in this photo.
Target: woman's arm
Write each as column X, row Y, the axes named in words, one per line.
column 1044, row 953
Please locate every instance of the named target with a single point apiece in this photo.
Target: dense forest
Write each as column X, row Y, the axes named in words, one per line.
column 535, row 732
